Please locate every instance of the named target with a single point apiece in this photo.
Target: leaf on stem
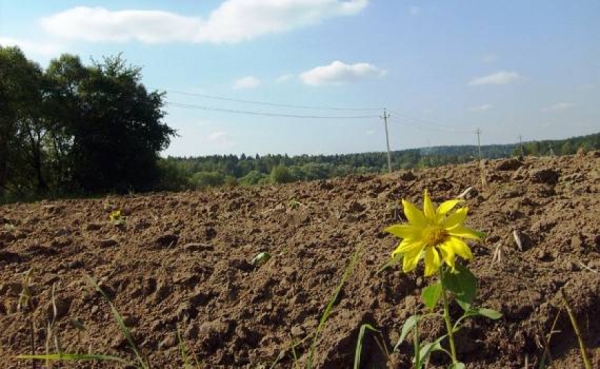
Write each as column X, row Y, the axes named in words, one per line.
column 431, row 295
column 463, row 284
column 409, row 324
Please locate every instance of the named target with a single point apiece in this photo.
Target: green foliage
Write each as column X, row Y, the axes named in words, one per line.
column 254, row 177
column 431, row 295
column 462, row 283
column 71, row 127
column 281, row 174
column 202, row 180
column 253, row 170
column 173, row 177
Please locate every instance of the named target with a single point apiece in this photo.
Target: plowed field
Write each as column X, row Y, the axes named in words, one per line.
column 183, row 261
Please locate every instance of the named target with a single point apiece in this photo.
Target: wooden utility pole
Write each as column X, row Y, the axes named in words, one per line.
column 387, row 139
column 521, row 144
column 478, row 132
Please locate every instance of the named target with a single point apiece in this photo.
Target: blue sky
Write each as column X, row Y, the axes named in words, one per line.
column 441, row 68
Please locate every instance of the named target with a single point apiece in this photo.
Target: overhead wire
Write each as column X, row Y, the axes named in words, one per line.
column 396, row 116
column 435, row 127
column 293, row 106
column 265, row 114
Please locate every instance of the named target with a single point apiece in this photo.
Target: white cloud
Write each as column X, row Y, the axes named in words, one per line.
column 498, row 78
column 370, row 132
column 284, row 78
column 221, row 138
column 246, row 83
column 557, row 107
column 339, row 73
column 48, row 49
column 480, row 108
column 232, row 21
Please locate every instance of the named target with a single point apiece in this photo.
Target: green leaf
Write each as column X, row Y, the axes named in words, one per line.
column 63, row 356
column 463, row 284
column 457, row 366
column 429, row 348
column 489, row 313
column 409, row 324
column 359, row 343
column 431, row 295
column 261, row 258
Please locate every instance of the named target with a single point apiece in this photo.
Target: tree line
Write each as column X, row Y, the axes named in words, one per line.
column 77, row 129
column 217, row 170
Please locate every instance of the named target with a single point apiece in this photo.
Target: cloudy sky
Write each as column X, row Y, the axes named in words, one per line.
column 313, row 76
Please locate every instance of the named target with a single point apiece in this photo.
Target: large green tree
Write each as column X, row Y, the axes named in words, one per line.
column 74, row 127
column 21, row 123
column 117, row 138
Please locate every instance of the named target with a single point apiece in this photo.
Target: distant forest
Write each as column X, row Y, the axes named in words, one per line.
column 217, row 170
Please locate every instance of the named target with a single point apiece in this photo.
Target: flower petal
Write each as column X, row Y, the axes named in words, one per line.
column 428, row 208
column 414, row 215
column 408, row 246
column 448, row 254
column 460, row 248
column 446, row 206
column 432, row 261
column 404, row 231
column 455, row 219
column 411, row 260
column 464, row 232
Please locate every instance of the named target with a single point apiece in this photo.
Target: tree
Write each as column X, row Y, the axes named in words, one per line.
column 21, row 124
column 281, row 174
column 119, row 132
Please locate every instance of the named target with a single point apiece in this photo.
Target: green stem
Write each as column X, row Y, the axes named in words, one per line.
column 449, row 327
column 416, row 344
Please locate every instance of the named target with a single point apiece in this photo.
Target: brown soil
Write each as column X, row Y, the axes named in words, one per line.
column 183, row 261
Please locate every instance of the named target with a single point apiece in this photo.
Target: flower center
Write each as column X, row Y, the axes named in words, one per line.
column 434, row 236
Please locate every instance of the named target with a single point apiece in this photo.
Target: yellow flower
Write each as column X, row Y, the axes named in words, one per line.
column 438, row 233
column 115, row 216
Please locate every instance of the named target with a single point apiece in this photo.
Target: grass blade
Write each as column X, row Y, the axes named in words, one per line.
column 124, row 330
column 329, row 307
column 359, row 343
column 582, row 348
column 75, row 357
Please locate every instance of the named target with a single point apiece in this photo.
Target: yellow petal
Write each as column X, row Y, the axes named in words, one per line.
column 411, row 260
column 460, row 248
column 455, row 219
column 464, row 232
column 432, row 261
column 446, row 206
column 404, row 231
column 414, row 215
column 448, row 254
column 428, row 208
column 408, row 246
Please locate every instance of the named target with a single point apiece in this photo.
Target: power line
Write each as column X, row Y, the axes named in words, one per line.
column 311, row 107
column 420, row 126
column 437, row 126
column 265, row 114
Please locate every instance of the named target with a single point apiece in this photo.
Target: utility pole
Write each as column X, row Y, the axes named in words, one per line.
column 551, row 151
column 478, row 132
column 387, row 139
column 521, row 144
